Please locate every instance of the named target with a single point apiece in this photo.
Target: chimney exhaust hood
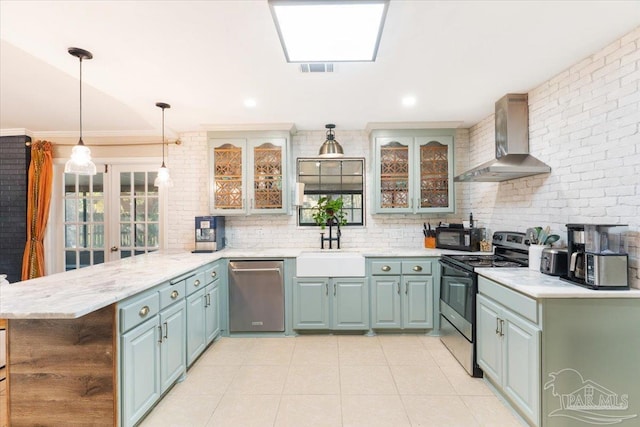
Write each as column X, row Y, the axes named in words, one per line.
column 512, row 145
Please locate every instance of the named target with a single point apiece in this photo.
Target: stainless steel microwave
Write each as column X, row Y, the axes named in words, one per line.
column 460, row 239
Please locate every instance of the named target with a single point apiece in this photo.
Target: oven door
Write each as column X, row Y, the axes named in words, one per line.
column 457, row 298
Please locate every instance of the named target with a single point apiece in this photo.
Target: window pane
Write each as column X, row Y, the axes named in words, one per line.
column 125, row 209
column 70, row 210
column 153, row 235
column 140, row 204
column 151, row 177
column 98, row 236
column 98, row 210
column 125, row 235
column 153, row 213
column 139, row 183
column 98, row 257
column 70, row 262
column 98, row 186
column 125, row 254
column 70, row 238
column 83, row 235
column 139, row 239
column 69, row 184
column 83, row 184
column 85, row 258
column 125, row 183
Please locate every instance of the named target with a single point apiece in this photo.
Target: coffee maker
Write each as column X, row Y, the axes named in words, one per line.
column 606, row 251
column 576, row 257
column 209, row 233
column 597, row 256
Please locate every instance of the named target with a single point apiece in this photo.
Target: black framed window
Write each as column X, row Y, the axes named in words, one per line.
column 332, row 178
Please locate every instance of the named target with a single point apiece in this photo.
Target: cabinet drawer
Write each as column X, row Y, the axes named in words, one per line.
column 212, row 273
column 385, row 267
column 172, row 293
column 514, row 301
column 136, row 312
column 416, row 267
column 195, row 282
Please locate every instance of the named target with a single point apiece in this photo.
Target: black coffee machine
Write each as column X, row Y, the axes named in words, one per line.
column 576, row 256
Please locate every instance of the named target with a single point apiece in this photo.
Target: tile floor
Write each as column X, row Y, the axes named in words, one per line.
column 330, row 380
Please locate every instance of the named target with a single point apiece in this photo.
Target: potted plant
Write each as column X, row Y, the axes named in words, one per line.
column 328, row 211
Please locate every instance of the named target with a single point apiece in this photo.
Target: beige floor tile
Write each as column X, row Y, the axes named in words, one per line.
column 269, row 356
column 313, row 379
column 313, row 341
column 362, row 357
column 489, row 411
column 203, row 380
column 365, row 380
column 373, row 411
column 274, row 343
column 226, row 343
column 259, row 380
column 175, row 411
column 421, row 380
column 438, row 411
column 466, row 385
column 245, row 411
column 408, row 356
column 222, row 357
column 315, row 355
column 445, row 359
column 399, row 341
column 309, row 411
column 348, row 342
column 431, row 343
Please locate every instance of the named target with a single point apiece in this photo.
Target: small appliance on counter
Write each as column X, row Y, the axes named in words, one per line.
column 554, row 261
column 209, row 233
column 597, row 256
column 456, row 237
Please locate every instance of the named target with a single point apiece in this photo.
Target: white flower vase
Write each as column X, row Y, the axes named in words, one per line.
column 535, row 254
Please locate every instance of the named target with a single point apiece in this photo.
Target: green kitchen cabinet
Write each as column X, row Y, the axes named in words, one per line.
column 173, row 364
column 212, row 311
column 402, row 294
column 249, row 173
column 196, row 330
column 413, row 171
column 330, row 303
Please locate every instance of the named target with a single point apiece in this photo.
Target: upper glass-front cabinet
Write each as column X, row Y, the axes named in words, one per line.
column 248, row 175
column 413, row 174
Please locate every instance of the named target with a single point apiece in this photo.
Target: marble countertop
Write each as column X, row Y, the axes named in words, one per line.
column 540, row 286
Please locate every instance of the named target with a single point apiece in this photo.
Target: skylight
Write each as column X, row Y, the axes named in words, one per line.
column 329, row 31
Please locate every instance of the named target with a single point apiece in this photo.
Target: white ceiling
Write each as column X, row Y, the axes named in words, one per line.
column 206, row 57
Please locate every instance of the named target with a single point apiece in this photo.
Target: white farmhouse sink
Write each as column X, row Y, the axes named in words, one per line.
column 330, row 264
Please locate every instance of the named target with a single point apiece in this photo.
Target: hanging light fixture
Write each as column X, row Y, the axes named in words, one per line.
column 163, row 179
column 331, row 147
column 80, row 162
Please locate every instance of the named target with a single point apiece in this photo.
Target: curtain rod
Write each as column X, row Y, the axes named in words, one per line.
column 176, row 142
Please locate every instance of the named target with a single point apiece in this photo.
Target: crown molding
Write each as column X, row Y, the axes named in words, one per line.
column 371, row 126
column 16, row 132
column 251, row 127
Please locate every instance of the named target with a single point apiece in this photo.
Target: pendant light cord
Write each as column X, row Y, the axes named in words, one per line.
column 81, row 142
column 163, row 138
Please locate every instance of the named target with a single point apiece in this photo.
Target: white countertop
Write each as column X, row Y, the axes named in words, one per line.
column 72, row 294
column 540, row 286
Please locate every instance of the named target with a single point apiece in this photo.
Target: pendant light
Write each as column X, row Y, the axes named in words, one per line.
column 163, row 179
column 80, row 162
column 331, row 147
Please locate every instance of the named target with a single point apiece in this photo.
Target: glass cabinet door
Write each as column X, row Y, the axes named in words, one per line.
column 228, row 175
column 394, row 175
column 268, row 175
column 435, row 174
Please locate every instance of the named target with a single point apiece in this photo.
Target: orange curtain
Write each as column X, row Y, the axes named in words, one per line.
column 39, row 199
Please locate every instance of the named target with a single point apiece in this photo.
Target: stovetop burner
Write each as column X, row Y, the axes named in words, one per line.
column 511, row 250
column 484, row 261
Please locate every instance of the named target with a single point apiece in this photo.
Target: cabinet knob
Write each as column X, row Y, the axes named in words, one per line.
column 196, row 283
column 385, row 268
column 144, row 311
column 174, row 294
column 114, row 249
column 417, row 268
column 213, row 274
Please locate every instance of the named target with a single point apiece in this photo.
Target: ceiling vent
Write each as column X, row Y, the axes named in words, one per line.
column 317, row 67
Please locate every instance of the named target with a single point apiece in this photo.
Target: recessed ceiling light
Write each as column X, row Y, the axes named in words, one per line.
column 409, row 101
column 329, row 30
column 250, row 103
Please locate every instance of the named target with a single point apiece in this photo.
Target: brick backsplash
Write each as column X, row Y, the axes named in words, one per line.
column 583, row 123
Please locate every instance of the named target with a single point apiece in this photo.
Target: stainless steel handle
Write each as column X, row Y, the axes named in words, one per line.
column 334, row 289
column 406, row 289
column 326, row 289
column 166, row 330
column 398, row 288
column 160, row 328
column 196, row 283
column 214, row 274
column 207, row 300
column 239, row 270
column 501, row 327
column 385, row 268
column 497, row 326
column 174, row 294
column 144, row 311
column 114, row 249
column 417, row 268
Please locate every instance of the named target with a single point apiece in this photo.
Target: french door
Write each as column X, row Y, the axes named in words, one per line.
column 115, row 214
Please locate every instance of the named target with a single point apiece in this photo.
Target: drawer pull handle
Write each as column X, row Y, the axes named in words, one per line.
column 497, row 326
column 417, row 268
column 196, row 283
column 144, row 311
column 213, row 274
column 398, row 288
column 174, row 294
column 386, row 268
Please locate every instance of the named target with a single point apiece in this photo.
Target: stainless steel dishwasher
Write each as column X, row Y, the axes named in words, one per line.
column 256, row 296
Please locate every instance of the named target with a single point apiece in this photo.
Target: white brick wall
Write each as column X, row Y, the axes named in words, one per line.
column 584, row 124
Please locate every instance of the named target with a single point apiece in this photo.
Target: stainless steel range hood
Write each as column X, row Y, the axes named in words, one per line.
column 512, row 145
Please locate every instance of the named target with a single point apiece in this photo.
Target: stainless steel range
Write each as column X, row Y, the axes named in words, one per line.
column 458, row 289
